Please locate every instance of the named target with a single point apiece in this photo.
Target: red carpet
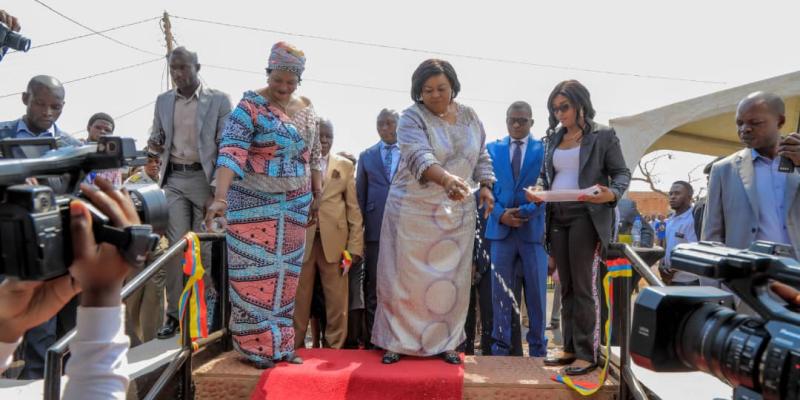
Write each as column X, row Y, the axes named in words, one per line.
column 358, row 374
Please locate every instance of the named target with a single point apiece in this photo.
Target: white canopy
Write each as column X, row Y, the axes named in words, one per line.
column 704, row 125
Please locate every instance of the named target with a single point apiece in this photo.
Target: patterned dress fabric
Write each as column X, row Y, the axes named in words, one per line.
column 426, row 239
column 268, row 207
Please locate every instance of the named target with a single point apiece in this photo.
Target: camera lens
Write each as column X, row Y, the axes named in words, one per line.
column 151, row 205
column 717, row 340
column 14, row 40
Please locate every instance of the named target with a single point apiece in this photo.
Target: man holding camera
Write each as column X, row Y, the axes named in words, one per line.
column 186, row 132
column 749, row 197
column 44, row 102
column 10, row 22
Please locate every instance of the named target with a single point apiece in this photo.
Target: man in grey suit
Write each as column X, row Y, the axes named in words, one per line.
column 375, row 169
column 748, row 197
column 186, row 132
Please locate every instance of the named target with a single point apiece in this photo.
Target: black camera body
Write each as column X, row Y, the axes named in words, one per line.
column 35, row 236
column 679, row 329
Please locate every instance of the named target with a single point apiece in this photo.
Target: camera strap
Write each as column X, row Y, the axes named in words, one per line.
column 617, row 268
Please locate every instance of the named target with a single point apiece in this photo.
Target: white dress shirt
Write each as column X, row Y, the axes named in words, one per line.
column 99, row 354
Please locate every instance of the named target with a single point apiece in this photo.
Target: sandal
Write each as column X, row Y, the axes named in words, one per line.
column 451, row 357
column 390, row 357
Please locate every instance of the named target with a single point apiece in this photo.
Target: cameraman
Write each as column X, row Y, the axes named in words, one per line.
column 100, row 347
column 11, row 22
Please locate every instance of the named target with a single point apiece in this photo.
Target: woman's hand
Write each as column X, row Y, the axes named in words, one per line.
column 603, row 195
column 530, row 194
column 456, row 188
column 215, row 210
column 486, row 198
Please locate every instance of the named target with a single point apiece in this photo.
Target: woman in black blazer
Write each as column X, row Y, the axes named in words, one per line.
column 580, row 153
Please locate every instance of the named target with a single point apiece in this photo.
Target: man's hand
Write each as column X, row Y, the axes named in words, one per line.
column 786, row 292
column 551, row 265
column 100, row 269
column 10, row 21
column 511, row 218
column 789, row 147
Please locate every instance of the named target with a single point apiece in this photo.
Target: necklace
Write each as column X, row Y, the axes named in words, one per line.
column 278, row 103
column 445, row 113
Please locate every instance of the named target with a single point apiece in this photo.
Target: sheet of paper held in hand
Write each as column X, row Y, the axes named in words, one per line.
column 553, row 196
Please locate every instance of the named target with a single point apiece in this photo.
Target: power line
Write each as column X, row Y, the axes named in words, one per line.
column 89, row 34
column 335, row 83
column 94, row 31
column 449, row 54
column 125, row 114
column 160, row 58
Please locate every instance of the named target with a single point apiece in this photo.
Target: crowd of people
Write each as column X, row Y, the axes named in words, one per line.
column 407, row 246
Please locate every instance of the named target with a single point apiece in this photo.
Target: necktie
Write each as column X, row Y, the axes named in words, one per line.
column 516, row 159
column 387, row 160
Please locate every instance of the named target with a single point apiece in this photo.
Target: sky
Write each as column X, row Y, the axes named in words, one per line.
column 632, row 55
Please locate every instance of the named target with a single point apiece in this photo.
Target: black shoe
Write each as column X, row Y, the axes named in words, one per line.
column 451, row 357
column 390, row 357
column 572, row 371
column 558, row 361
column 169, row 328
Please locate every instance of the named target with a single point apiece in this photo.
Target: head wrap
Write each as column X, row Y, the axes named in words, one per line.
column 286, row 57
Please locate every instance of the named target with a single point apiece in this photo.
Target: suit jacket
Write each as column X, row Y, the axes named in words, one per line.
column 372, row 187
column 731, row 214
column 213, row 108
column 509, row 193
column 601, row 162
column 339, row 216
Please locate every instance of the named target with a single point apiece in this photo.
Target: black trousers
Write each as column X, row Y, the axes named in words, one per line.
column 575, row 246
column 370, row 286
column 480, row 303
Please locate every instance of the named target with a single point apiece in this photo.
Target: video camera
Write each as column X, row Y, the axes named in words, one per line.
column 35, row 238
column 690, row 328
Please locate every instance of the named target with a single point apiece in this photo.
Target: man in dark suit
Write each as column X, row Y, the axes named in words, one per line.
column 186, row 131
column 376, row 167
column 516, row 231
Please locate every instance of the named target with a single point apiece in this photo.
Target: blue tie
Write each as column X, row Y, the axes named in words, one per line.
column 516, row 159
column 387, row 160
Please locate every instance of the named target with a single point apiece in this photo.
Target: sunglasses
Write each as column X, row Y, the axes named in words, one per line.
column 520, row 120
column 562, row 108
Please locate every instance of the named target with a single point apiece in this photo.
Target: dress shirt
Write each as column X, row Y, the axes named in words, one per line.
column 680, row 229
column 395, row 155
column 99, row 353
column 185, row 149
column 23, row 132
column 323, row 161
column 522, row 148
column 770, row 189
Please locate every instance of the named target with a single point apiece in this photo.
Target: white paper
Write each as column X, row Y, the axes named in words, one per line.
column 555, row 196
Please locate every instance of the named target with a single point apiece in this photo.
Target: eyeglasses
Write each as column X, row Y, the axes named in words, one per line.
column 520, row 120
column 564, row 107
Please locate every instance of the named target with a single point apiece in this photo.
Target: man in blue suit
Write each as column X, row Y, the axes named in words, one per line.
column 516, row 231
column 376, row 167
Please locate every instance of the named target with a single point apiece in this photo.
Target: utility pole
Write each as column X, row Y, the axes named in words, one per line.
column 166, row 27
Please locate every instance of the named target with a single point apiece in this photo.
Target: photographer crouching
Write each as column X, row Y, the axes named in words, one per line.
column 97, row 272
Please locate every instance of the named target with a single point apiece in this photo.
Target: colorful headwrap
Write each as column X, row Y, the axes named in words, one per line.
column 286, row 57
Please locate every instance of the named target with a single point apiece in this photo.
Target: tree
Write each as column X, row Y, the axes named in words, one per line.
column 649, row 176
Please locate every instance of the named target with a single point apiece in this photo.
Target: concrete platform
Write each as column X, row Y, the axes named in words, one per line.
column 485, row 377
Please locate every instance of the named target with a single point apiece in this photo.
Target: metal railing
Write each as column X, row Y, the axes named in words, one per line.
column 181, row 362
column 629, row 386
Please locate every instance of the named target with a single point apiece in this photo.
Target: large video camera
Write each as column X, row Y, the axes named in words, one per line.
column 35, row 239
column 693, row 328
